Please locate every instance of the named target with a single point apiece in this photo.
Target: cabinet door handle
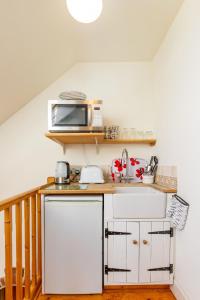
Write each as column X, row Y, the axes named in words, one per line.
column 135, row 242
column 145, row 242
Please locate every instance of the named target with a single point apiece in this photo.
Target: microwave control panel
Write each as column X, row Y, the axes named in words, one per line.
column 97, row 118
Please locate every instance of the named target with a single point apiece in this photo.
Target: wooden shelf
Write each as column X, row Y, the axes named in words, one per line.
column 93, row 138
column 150, row 142
column 76, row 138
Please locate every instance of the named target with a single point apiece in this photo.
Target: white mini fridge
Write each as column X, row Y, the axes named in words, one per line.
column 72, row 245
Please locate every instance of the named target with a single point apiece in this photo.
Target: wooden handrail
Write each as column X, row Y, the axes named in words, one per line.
column 18, row 198
column 27, row 208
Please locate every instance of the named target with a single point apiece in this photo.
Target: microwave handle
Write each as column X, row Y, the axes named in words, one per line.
column 89, row 115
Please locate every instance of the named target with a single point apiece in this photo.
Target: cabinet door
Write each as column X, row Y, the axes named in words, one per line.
column 123, row 252
column 160, row 257
column 138, row 252
column 117, row 252
column 133, row 252
column 154, row 252
column 145, row 252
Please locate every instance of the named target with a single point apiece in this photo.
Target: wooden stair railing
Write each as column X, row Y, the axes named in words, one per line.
column 27, row 210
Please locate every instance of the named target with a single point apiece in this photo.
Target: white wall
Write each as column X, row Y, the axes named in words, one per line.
column 27, row 158
column 177, row 86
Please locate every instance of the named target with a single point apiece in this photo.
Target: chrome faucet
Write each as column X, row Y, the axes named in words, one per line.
column 125, row 158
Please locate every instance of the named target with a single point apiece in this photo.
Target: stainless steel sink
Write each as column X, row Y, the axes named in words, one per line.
column 139, row 202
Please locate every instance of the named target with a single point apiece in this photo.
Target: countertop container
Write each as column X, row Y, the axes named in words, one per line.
column 149, row 179
column 91, row 174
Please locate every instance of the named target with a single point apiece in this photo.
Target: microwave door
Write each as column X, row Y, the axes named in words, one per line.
column 72, row 115
column 61, row 115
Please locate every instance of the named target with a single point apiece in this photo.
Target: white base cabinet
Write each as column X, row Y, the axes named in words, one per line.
column 138, row 252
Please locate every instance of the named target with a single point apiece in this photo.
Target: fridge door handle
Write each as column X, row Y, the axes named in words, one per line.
column 73, row 202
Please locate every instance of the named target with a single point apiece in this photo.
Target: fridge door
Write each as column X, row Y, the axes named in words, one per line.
column 73, row 245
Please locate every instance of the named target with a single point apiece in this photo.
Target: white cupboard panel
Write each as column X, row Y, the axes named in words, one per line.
column 160, row 252
column 133, row 251
column 145, row 252
column 166, row 251
column 108, row 206
column 117, row 252
column 105, row 253
column 139, row 205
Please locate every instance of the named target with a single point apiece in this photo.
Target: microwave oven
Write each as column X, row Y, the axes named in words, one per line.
column 75, row 116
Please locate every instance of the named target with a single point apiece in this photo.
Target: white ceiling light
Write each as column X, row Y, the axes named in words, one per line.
column 85, row 11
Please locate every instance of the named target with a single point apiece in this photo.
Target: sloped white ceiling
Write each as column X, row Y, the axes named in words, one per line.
column 40, row 41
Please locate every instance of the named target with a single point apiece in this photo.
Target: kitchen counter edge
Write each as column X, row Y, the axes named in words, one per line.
column 106, row 188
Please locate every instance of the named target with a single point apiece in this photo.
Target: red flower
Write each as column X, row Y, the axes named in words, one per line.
column 113, row 176
column 139, row 173
column 118, row 165
column 134, row 161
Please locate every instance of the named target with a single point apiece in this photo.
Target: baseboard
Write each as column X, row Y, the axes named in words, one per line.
column 178, row 292
column 134, row 287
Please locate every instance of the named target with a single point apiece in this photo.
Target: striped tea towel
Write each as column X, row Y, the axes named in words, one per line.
column 178, row 212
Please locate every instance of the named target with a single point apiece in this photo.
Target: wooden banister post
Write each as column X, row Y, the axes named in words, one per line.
column 27, row 247
column 8, row 252
column 18, row 212
column 39, row 236
column 33, row 214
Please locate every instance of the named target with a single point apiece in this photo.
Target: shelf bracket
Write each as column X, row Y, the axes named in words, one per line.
column 64, row 146
column 97, row 145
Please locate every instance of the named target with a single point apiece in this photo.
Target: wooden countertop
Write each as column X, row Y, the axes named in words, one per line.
column 105, row 188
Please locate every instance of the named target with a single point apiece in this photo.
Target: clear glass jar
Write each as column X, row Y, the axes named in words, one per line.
column 140, row 134
column 124, row 133
column 149, row 134
column 133, row 133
